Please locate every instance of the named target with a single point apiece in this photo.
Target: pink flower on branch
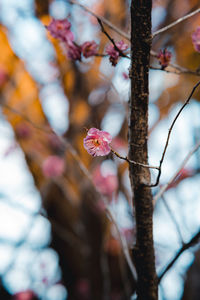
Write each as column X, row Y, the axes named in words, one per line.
column 73, row 51
column 114, row 53
column 89, row 49
column 60, row 29
column 97, row 142
column 164, row 57
column 196, row 39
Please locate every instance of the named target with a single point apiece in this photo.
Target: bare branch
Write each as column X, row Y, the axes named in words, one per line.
column 176, row 22
column 133, row 162
column 170, row 131
column 111, row 39
column 186, row 246
column 176, row 70
column 165, row 187
column 104, row 20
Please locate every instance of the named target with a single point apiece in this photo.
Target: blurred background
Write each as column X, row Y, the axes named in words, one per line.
column 57, row 240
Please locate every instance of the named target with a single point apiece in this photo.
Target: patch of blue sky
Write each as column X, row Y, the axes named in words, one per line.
column 121, row 211
column 56, row 292
column 122, row 85
column 17, row 279
column 113, row 119
column 6, row 253
column 175, row 275
column 11, row 10
column 39, row 235
column 158, row 15
column 59, row 9
column 55, row 106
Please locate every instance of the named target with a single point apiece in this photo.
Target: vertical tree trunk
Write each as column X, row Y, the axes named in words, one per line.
column 143, row 253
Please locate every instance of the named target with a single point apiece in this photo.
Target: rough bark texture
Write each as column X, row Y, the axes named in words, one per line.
column 143, row 253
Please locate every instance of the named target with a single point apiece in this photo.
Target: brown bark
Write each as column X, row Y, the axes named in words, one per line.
column 143, row 253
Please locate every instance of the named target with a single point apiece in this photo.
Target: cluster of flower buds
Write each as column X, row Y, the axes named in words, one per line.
column 61, row 30
column 164, row 57
column 114, row 52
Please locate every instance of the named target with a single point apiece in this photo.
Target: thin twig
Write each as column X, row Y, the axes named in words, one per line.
column 173, row 219
column 165, row 187
column 176, row 22
column 177, row 70
column 170, row 131
column 133, row 162
column 186, row 246
column 180, row 69
column 104, row 20
column 121, row 53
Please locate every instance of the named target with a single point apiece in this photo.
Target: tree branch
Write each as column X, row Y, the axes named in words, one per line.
column 133, row 162
column 121, row 53
column 176, row 70
column 176, row 22
column 169, row 134
column 104, row 20
column 186, row 246
column 127, row 37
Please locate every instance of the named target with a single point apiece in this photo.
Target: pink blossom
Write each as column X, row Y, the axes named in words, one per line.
column 89, row 49
column 53, row 166
column 60, row 29
column 73, row 51
column 113, row 53
column 196, row 39
column 25, row 295
column 107, row 184
column 121, row 45
column 97, row 142
column 164, row 57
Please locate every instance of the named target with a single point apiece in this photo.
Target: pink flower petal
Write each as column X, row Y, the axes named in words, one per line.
column 89, row 49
